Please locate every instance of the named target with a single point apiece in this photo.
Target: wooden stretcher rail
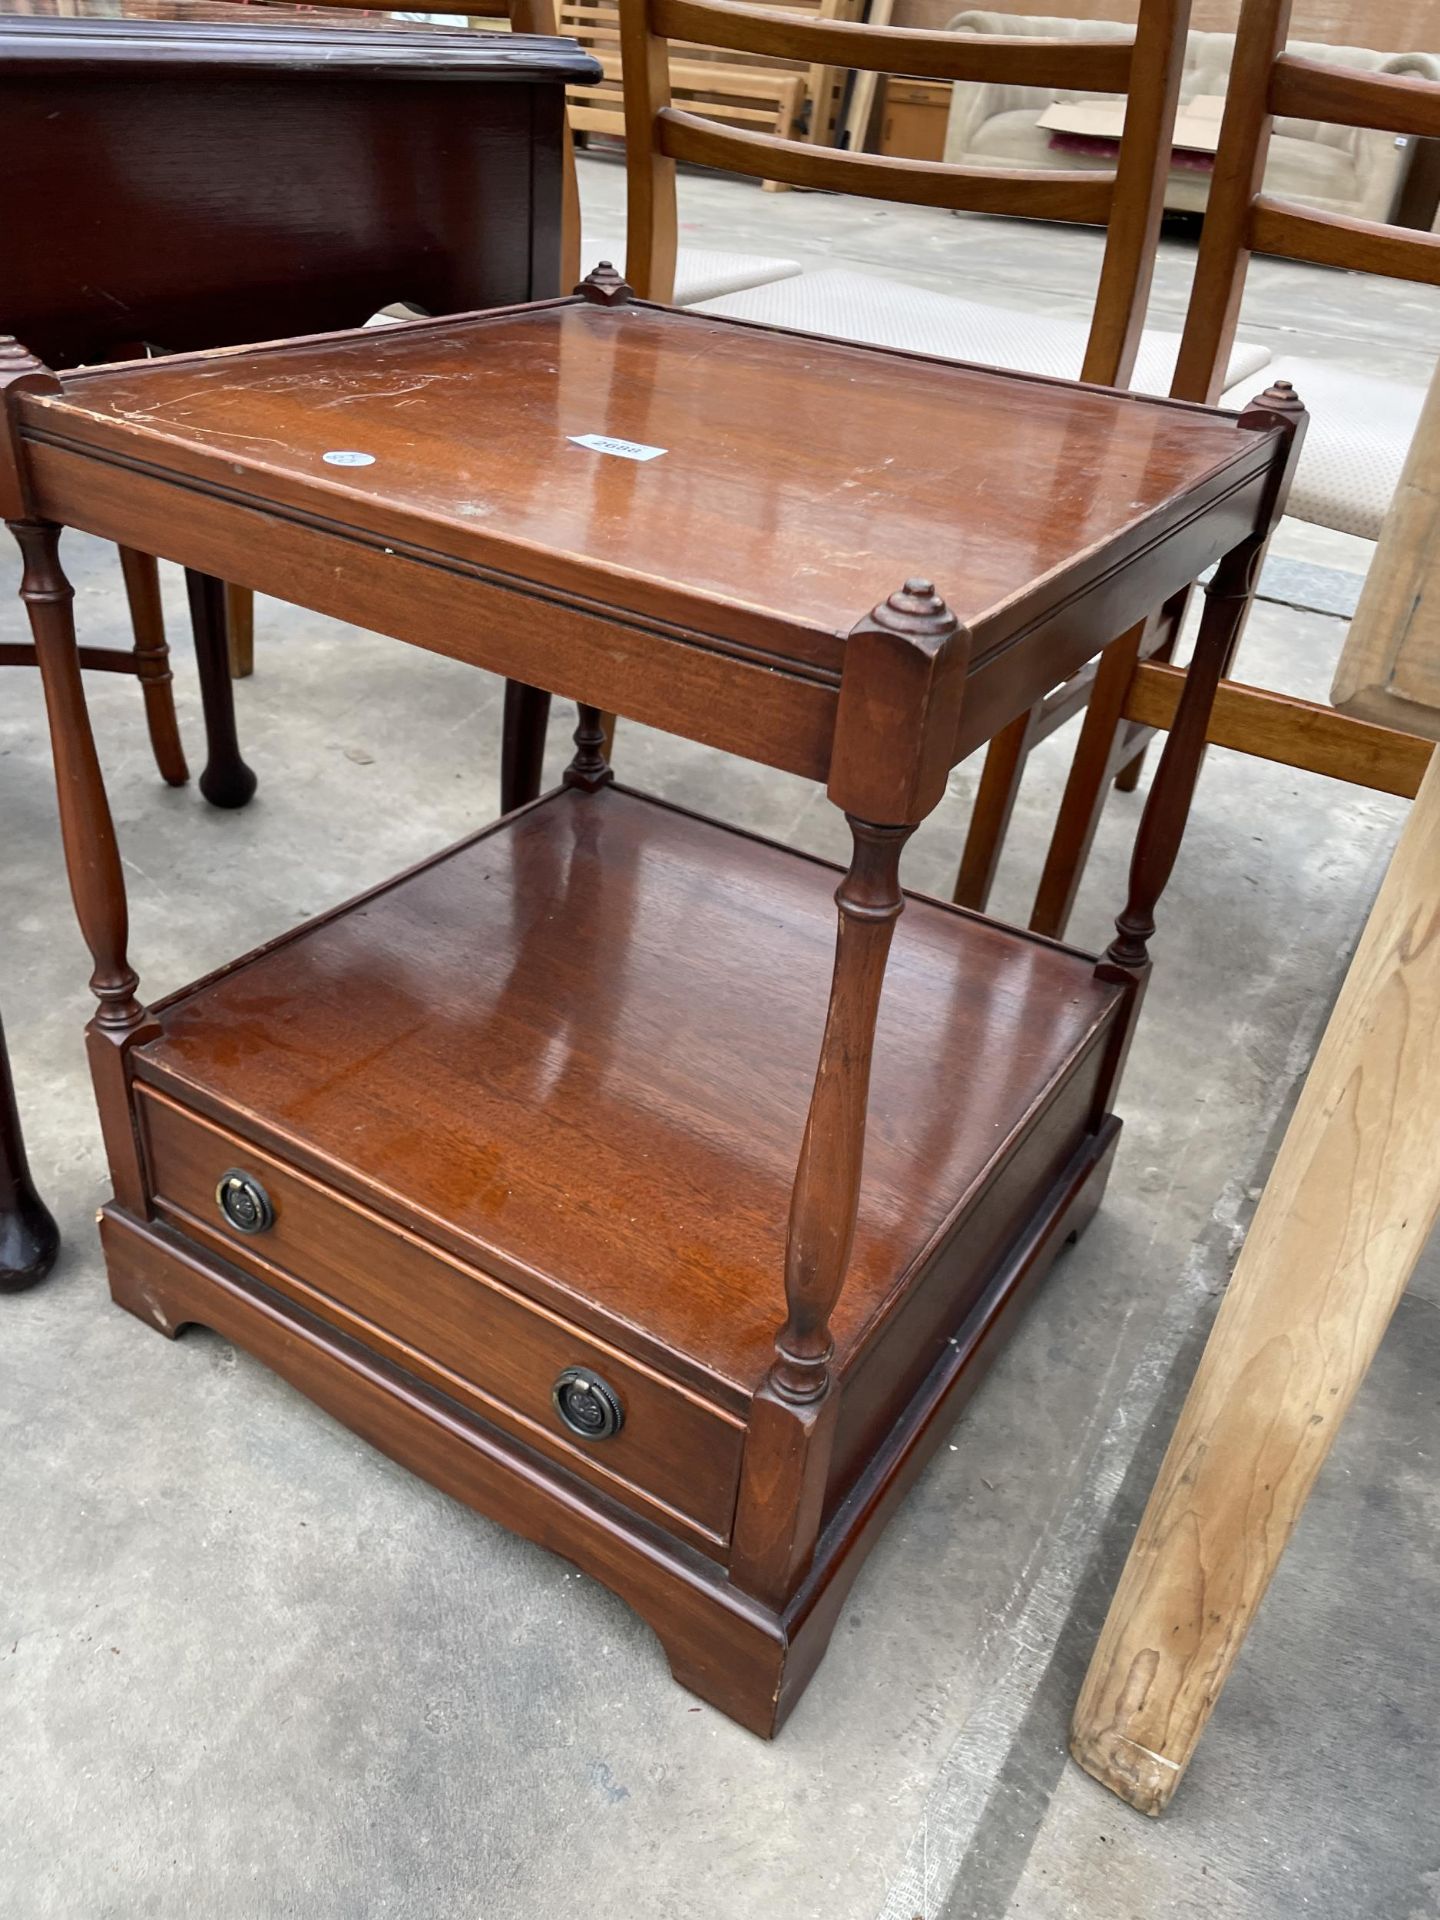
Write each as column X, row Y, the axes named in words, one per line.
column 1312, row 90
column 1330, row 240
column 1091, row 67
column 1294, row 733
column 1082, row 197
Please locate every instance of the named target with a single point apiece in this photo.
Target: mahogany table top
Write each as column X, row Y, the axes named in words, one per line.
column 797, row 481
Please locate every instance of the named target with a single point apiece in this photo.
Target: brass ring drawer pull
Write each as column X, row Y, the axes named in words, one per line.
column 586, row 1405
column 244, row 1202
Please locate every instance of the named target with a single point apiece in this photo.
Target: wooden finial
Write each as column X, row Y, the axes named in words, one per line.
column 899, row 710
column 16, row 359
column 916, row 609
column 604, row 287
column 1279, row 398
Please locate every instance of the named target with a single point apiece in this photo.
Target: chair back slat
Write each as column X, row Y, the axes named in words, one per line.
column 1128, row 200
column 1241, row 219
column 1333, row 240
column 1341, row 97
column 695, row 141
column 1095, row 66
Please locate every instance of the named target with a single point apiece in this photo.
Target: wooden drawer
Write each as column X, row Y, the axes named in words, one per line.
column 675, row 1458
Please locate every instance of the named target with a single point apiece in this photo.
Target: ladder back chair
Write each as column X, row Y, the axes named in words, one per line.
column 1126, row 200
column 1135, row 690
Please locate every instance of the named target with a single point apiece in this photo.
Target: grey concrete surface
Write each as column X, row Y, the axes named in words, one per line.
column 250, row 1669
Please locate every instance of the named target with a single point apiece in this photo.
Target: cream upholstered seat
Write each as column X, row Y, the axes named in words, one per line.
column 701, row 273
column 1348, row 170
column 1359, row 433
column 886, row 313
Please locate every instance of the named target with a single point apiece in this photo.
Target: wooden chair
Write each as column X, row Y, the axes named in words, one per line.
column 1134, row 688
column 1126, row 201
column 743, row 93
column 752, row 91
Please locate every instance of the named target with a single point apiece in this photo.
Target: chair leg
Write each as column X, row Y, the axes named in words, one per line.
column 1128, row 778
column 240, row 627
column 522, row 744
column 226, row 781
column 152, row 661
column 1172, row 619
column 1085, row 787
column 29, row 1238
column 1004, row 768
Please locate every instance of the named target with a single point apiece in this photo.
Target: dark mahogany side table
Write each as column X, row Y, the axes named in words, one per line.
column 544, row 1165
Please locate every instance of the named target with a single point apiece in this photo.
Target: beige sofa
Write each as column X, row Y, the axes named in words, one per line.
column 1349, row 170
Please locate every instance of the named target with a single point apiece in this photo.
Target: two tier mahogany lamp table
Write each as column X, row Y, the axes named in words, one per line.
column 593, row 1168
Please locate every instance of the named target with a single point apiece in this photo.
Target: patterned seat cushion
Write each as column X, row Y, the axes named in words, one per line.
column 1360, row 431
column 887, row 313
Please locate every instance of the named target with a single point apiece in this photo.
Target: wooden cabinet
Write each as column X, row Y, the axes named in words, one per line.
column 913, row 118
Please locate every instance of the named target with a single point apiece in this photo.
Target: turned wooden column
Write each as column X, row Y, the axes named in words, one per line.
column 894, row 745
column 97, row 883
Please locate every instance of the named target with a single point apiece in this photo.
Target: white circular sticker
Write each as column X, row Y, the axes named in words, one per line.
column 344, row 459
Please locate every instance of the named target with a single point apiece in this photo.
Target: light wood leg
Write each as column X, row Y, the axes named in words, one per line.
column 1347, row 1210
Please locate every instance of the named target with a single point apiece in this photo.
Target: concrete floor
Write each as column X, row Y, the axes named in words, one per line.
column 250, row 1669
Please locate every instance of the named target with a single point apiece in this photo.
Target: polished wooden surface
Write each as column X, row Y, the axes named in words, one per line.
column 794, row 470
column 1128, row 201
column 579, row 1052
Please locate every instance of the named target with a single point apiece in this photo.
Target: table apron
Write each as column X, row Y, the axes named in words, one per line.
column 670, row 678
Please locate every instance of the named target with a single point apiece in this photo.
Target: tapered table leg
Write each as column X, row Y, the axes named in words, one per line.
column 29, row 1238
column 226, row 781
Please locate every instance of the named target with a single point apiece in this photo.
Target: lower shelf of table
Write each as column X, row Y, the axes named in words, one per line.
column 537, row 1105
